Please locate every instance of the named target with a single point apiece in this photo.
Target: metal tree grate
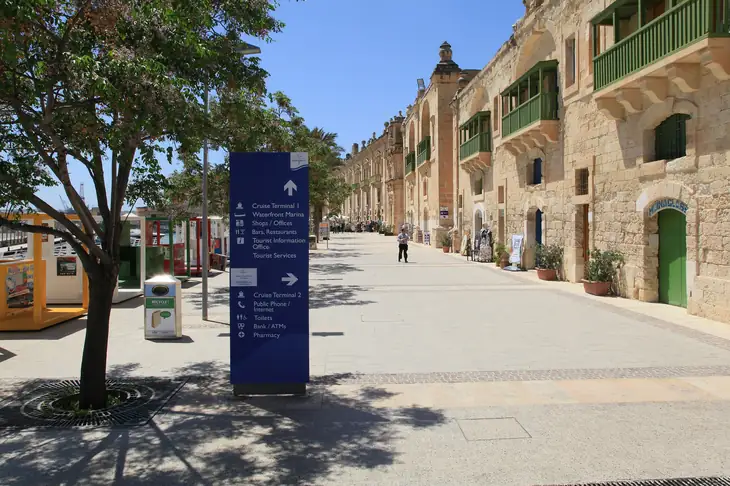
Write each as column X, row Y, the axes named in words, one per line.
column 663, row 482
column 139, row 402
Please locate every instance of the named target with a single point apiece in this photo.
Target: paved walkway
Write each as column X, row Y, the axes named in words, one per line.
column 439, row 371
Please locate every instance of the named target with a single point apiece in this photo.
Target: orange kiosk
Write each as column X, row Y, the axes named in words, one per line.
column 23, row 304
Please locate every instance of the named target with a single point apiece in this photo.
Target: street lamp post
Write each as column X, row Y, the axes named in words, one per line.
column 245, row 49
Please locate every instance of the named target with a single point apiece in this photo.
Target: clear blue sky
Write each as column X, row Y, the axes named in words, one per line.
column 350, row 65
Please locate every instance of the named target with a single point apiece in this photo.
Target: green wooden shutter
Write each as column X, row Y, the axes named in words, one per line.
column 671, row 137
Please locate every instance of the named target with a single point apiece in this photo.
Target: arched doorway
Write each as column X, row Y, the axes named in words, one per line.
column 425, row 219
column 534, row 233
column 672, row 257
column 478, row 221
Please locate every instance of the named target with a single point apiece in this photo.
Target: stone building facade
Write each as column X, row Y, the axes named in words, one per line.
column 374, row 169
column 429, row 160
column 605, row 125
column 597, row 125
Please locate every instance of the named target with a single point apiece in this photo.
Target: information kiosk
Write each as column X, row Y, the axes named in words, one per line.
column 27, row 280
column 218, row 244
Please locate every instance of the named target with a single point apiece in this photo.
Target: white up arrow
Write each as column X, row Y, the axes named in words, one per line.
column 290, row 279
column 290, row 187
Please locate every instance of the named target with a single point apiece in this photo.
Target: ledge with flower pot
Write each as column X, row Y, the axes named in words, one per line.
column 445, row 241
column 501, row 255
column 548, row 261
column 601, row 271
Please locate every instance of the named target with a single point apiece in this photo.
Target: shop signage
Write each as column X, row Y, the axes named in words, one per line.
column 667, row 203
column 19, row 286
column 66, row 266
column 444, row 212
column 269, row 271
column 427, row 238
column 324, row 231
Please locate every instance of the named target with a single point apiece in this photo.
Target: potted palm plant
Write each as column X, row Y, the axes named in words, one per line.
column 548, row 261
column 501, row 255
column 446, row 242
column 601, row 271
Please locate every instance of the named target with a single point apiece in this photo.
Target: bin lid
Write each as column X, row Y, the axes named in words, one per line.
column 158, row 279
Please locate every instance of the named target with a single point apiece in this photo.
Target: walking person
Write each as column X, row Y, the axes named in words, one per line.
column 403, row 244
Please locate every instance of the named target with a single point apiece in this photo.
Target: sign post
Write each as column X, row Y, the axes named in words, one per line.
column 269, row 272
column 324, row 232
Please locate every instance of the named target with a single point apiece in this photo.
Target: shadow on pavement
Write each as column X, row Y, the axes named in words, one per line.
column 130, row 304
column 205, row 436
column 53, row 333
column 6, row 355
column 323, row 296
column 217, row 297
column 333, row 269
column 320, row 255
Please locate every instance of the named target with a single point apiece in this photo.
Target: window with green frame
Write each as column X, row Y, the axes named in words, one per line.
column 670, row 140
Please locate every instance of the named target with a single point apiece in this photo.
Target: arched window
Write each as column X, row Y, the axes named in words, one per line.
column 670, row 137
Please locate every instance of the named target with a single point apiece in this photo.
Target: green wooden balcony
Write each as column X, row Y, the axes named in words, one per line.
column 424, row 150
column 475, row 147
column 681, row 26
column 543, row 106
column 410, row 162
column 481, row 142
column 531, row 109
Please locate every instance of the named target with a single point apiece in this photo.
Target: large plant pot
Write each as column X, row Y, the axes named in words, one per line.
column 547, row 273
column 445, row 249
column 597, row 288
column 503, row 260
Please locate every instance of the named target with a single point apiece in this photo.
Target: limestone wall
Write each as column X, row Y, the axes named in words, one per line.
column 619, row 154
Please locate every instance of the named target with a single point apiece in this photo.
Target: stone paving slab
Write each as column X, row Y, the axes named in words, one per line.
column 403, row 354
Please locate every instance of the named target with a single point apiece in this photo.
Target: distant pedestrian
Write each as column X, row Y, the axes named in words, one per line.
column 403, row 245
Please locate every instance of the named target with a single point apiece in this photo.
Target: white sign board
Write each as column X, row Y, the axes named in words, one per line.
column 324, row 231
column 516, row 255
column 244, row 277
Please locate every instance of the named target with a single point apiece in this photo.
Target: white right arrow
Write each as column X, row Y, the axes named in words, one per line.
column 290, row 279
column 290, row 187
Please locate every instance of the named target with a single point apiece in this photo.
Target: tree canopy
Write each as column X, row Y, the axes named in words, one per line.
column 113, row 85
column 276, row 127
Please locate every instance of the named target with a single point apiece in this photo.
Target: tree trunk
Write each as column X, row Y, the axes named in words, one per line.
column 102, row 281
column 317, row 218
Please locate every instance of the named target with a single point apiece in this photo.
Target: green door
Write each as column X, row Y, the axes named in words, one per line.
column 673, row 258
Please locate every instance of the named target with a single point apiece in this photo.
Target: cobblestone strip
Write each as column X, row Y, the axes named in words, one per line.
column 518, row 375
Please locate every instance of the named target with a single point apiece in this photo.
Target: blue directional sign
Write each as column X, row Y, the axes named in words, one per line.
column 269, row 268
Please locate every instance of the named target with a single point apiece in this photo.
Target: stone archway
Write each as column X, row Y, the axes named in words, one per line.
column 656, row 114
column 533, row 229
column 478, row 102
column 478, row 219
column 660, row 232
column 425, row 120
column 539, row 45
